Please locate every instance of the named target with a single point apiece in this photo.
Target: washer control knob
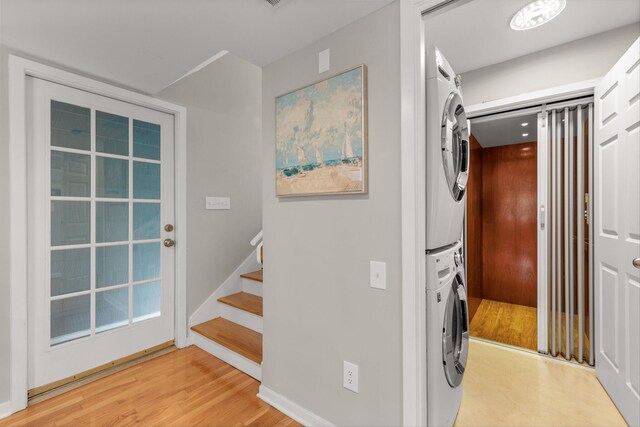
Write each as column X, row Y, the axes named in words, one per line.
column 457, row 259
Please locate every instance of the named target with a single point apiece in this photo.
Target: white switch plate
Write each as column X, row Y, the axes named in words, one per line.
column 378, row 275
column 324, row 61
column 350, row 376
column 218, row 203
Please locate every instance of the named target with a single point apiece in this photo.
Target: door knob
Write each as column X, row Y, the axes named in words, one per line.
column 636, row 263
column 168, row 228
column 169, row 243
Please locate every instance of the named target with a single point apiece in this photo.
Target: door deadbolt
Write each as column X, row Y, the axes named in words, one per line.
column 169, row 243
column 168, row 227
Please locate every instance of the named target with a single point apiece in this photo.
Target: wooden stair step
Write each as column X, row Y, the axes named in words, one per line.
column 254, row 275
column 244, row 301
column 236, row 338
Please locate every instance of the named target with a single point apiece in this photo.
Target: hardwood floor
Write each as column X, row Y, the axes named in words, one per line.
column 516, row 325
column 187, row 387
column 508, row 387
column 244, row 301
column 237, row 338
column 511, row 324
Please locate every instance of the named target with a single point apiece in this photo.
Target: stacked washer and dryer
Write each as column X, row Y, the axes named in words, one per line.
column 447, row 149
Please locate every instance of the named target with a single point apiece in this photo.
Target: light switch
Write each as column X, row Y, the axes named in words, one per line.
column 217, row 203
column 323, row 61
column 378, row 275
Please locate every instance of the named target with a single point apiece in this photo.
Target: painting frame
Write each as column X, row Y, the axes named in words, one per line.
column 357, row 161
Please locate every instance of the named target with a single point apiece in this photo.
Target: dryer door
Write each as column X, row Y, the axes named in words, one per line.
column 455, row 333
column 455, row 145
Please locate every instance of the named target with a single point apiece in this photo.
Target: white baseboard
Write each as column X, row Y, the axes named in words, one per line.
column 247, row 366
column 210, row 308
column 241, row 317
column 291, row 409
column 6, row 409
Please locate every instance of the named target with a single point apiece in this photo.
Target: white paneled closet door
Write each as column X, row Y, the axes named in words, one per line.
column 617, row 233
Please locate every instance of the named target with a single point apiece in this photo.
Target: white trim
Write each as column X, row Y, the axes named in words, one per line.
column 252, row 287
column 5, row 409
column 19, row 69
column 247, row 366
column 543, row 233
column 197, row 68
column 527, row 99
column 413, row 124
column 291, row 409
column 241, row 317
column 210, row 308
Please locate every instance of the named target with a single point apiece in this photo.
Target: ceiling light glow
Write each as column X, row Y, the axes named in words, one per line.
column 525, row 134
column 524, row 124
column 537, row 13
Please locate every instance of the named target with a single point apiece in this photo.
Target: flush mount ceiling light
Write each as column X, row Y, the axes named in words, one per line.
column 537, row 13
column 525, row 134
column 524, row 124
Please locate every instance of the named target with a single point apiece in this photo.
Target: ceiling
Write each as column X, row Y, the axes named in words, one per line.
column 505, row 131
column 477, row 33
column 148, row 44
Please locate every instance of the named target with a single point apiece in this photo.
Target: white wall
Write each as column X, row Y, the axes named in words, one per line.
column 319, row 308
column 584, row 59
column 4, row 231
column 224, row 108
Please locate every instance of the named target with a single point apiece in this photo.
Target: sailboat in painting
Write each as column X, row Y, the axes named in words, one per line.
column 321, row 137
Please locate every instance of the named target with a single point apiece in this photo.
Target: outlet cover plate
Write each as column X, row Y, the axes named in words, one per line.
column 350, row 376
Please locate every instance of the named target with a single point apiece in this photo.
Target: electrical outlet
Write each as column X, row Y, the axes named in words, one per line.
column 350, row 376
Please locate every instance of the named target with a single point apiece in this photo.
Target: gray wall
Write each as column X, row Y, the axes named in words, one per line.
column 4, row 231
column 319, row 308
column 223, row 103
column 580, row 60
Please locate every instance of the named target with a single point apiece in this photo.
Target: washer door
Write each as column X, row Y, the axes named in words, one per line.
column 455, row 333
column 455, row 145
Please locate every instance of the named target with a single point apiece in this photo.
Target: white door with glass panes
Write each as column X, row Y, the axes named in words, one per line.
column 101, row 212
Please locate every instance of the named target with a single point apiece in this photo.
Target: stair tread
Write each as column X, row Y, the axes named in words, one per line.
column 244, row 301
column 236, row 338
column 254, row 275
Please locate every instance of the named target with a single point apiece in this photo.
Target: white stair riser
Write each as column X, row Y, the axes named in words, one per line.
column 252, row 287
column 241, row 317
column 247, row 366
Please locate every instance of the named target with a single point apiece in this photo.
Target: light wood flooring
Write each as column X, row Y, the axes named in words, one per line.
column 508, row 387
column 511, row 324
column 237, row 338
column 502, row 387
column 517, row 325
column 187, row 387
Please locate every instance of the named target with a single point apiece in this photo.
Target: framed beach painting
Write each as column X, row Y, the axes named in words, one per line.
column 321, row 137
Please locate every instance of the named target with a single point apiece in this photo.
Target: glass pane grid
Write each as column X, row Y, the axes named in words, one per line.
column 116, row 217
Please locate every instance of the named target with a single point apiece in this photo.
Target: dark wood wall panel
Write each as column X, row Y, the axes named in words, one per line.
column 474, row 228
column 509, row 210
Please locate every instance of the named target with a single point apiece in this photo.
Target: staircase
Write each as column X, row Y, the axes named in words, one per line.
column 235, row 335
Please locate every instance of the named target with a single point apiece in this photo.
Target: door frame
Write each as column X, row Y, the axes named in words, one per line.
column 19, row 70
column 413, row 191
column 513, row 106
